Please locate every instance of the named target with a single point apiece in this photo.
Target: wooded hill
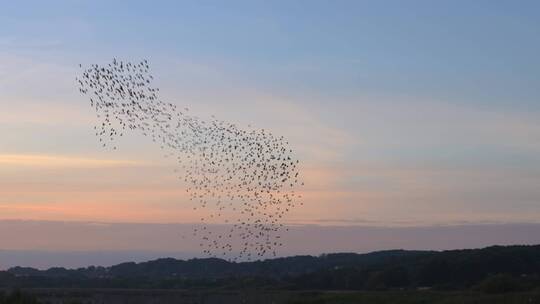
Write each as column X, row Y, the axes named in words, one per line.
column 497, row 267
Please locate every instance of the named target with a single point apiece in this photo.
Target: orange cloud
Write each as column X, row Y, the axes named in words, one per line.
column 61, row 161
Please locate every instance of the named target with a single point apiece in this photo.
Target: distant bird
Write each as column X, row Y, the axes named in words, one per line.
column 244, row 177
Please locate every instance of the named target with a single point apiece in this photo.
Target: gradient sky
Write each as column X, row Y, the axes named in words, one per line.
column 404, row 113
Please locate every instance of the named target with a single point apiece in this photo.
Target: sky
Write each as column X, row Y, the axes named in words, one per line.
column 417, row 113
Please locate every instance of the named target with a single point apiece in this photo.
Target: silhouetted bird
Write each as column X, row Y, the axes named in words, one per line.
column 244, row 177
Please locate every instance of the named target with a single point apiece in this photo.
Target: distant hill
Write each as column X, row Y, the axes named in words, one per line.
column 395, row 269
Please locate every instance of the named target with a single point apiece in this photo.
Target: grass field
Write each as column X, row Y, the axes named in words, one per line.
column 142, row 296
column 413, row 297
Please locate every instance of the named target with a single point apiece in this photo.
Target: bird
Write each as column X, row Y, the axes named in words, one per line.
column 243, row 178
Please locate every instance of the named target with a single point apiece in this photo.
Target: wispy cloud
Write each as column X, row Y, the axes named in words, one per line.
column 34, row 43
column 33, row 160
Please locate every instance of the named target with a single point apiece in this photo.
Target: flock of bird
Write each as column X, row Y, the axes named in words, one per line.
column 243, row 179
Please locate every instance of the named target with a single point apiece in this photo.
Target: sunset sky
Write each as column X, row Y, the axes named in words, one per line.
column 403, row 113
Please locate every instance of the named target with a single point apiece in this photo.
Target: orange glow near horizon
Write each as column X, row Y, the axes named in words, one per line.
column 52, row 187
column 37, row 160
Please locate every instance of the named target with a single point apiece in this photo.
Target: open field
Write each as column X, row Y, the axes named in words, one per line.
column 413, row 297
column 121, row 296
column 155, row 296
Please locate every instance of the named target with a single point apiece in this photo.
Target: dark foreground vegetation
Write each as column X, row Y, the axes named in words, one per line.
column 18, row 297
column 499, row 274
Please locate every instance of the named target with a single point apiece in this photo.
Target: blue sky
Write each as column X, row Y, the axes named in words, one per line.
column 480, row 52
column 418, row 112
